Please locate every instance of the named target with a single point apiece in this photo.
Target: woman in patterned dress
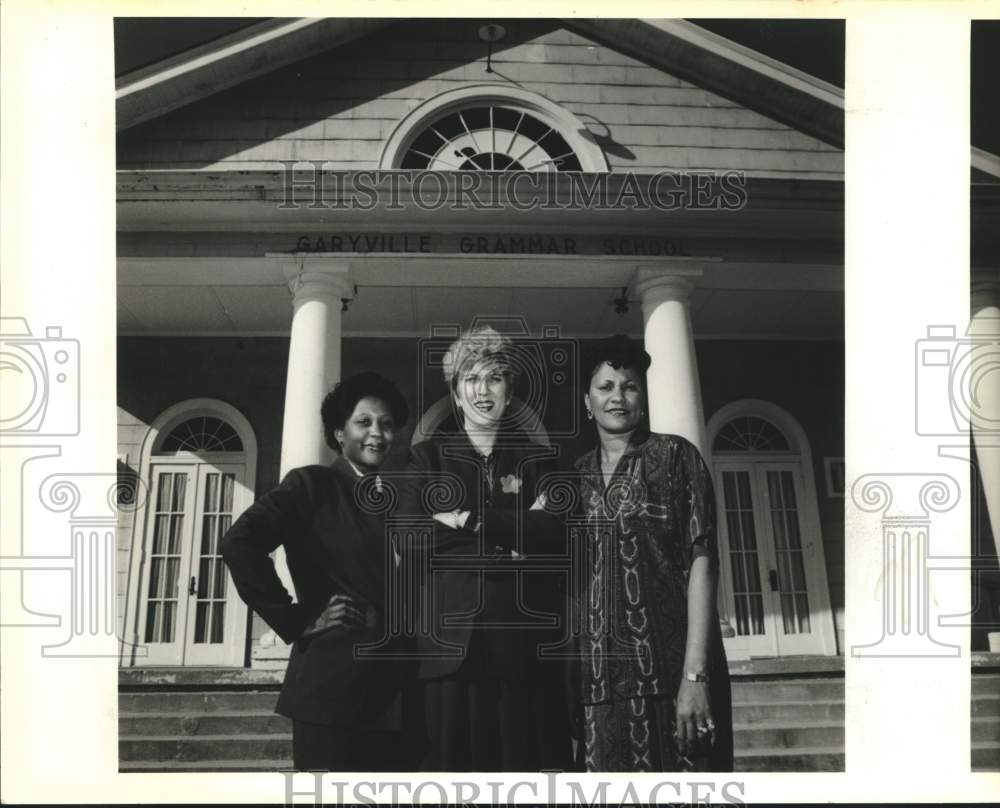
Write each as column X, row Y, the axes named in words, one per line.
column 654, row 683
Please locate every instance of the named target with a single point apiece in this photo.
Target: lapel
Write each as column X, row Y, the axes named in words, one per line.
column 354, row 541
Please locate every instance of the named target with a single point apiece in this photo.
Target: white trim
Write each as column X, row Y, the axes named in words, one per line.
column 808, row 507
column 752, row 60
column 591, row 155
column 986, row 162
column 161, row 426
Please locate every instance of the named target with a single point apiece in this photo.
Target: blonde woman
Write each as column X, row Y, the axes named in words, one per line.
column 490, row 702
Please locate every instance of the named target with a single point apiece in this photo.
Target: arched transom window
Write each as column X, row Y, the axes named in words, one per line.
column 748, row 433
column 202, row 433
column 490, row 137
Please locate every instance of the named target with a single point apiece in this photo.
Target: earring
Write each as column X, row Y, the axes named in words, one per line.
column 590, row 415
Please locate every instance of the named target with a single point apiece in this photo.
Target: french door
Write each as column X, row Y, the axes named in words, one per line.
column 189, row 611
column 772, row 568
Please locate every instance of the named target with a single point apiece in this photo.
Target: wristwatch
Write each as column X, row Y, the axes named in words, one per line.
column 696, row 677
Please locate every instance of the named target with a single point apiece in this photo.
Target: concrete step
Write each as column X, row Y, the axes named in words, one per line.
column 985, row 706
column 985, row 684
column 986, row 757
column 206, row 747
column 277, row 765
column 783, row 690
column 793, row 712
column 786, row 760
column 985, row 729
column 220, row 723
column 826, row 736
column 158, row 701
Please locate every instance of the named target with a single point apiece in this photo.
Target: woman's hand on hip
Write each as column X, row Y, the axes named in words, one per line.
column 695, row 726
column 342, row 614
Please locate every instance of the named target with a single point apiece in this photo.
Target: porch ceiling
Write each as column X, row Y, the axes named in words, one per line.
column 763, row 305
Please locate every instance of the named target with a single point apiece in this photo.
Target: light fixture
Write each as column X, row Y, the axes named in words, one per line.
column 490, row 33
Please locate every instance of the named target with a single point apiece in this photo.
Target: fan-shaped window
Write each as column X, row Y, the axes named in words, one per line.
column 490, row 137
column 748, row 433
column 201, row 434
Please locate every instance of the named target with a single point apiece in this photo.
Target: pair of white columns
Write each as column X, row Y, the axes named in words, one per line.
column 314, row 365
column 314, row 357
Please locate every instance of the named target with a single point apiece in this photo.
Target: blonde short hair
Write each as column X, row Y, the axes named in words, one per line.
column 481, row 344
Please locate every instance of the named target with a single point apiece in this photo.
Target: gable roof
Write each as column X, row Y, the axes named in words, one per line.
column 675, row 46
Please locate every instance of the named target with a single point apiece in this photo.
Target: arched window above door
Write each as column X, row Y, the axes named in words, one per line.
column 492, row 127
column 749, row 433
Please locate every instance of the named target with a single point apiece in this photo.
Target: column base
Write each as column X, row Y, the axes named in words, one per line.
column 270, row 653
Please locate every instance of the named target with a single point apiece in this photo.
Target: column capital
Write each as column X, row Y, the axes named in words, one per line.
column 311, row 280
column 666, row 283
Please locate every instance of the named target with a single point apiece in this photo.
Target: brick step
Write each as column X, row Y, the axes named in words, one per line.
column 794, row 711
column 280, row 764
column 789, row 760
column 986, row 757
column 206, row 747
column 983, row 706
column 220, row 723
column 212, row 701
column 783, row 690
column 985, row 729
column 826, row 736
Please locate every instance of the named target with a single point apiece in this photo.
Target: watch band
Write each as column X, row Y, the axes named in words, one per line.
column 696, row 677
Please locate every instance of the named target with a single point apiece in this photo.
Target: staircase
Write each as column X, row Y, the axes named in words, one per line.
column 223, row 720
column 985, row 712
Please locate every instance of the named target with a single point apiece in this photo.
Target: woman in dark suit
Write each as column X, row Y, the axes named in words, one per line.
column 345, row 710
column 491, row 703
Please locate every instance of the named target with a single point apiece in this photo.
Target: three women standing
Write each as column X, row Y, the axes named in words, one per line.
column 654, row 687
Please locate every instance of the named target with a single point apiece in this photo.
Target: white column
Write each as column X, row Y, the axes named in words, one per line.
column 313, row 360
column 318, row 292
column 984, row 378
column 674, row 390
column 672, row 382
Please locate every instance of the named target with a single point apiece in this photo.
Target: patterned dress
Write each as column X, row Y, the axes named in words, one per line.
column 641, row 533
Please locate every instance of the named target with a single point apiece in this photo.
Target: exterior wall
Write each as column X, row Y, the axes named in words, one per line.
column 805, row 378
column 342, row 105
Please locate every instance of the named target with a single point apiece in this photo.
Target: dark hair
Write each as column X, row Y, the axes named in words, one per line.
column 341, row 401
column 620, row 352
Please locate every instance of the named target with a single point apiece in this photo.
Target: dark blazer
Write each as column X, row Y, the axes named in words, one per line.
column 461, row 601
column 332, row 546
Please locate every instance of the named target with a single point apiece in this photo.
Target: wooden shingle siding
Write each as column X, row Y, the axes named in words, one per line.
column 342, row 105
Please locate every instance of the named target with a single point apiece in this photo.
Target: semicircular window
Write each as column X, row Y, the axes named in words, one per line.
column 490, row 137
column 202, row 433
column 750, row 434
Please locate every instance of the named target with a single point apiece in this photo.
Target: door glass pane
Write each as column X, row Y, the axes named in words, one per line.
column 211, row 591
column 788, row 550
column 164, row 558
column 743, row 556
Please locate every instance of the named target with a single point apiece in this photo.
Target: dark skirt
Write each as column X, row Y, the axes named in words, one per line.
column 321, row 747
column 477, row 722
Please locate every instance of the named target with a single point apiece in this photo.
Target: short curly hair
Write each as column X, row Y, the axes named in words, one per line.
column 478, row 345
column 620, row 352
column 341, row 401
